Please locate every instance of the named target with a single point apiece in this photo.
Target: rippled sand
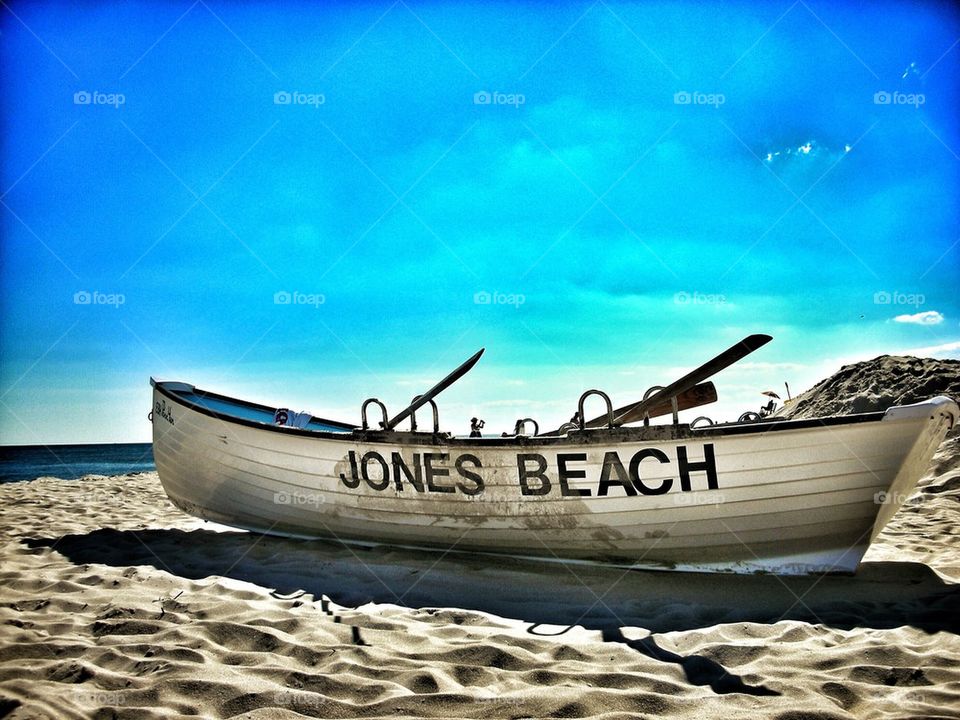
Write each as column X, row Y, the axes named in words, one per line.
column 115, row 604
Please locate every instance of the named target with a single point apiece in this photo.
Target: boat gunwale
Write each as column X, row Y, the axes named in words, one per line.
column 353, row 433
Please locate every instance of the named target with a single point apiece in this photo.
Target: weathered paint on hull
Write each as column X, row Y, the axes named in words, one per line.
column 794, row 501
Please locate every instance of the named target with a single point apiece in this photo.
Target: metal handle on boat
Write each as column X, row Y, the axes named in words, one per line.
column 363, row 412
column 674, row 405
column 702, row 417
column 436, row 415
column 606, row 399
column 522, row 426
column 650, row 391
column 567, row 427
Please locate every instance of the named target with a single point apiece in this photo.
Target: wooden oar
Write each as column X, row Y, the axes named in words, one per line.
column 702, row 394
column 632, row 413
column 435, row 390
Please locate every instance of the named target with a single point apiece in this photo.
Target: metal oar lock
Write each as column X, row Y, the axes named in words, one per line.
column 436, row 415
column 363, row 412
column 606, row 399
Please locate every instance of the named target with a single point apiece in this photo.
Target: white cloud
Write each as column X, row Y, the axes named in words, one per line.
column 811, row 148
column 770, row 366
column 951, row 349
column 928, row 317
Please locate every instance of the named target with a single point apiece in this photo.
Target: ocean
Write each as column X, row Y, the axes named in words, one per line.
column 26, row 462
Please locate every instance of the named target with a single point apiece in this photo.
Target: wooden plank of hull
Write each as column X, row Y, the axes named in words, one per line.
column 795, row 496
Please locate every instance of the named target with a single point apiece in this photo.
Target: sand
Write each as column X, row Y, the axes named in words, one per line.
column 115, row 604
column 877, row 384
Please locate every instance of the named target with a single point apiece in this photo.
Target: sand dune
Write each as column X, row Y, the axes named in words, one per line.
column 874, row 385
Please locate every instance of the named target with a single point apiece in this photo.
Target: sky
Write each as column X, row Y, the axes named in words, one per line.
column 310, row 204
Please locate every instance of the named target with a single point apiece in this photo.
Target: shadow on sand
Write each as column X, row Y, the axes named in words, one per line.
column 882, row 595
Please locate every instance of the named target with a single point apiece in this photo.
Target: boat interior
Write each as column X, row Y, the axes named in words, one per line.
column 526, row 429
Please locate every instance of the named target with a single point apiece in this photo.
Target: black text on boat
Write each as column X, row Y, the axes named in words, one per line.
column 434, row 473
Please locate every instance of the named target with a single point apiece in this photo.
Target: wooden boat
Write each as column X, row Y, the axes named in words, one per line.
column 784, row 496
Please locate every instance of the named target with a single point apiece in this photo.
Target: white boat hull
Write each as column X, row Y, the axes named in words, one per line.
column 790, row 498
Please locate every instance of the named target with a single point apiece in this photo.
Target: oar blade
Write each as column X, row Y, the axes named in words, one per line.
column 701, row 394
column 711, row 367
column 435, row 390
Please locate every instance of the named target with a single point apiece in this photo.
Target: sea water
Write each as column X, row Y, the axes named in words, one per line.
column 26, row 462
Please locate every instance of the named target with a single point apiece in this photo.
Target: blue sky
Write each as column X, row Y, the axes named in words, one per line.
column 635, row 186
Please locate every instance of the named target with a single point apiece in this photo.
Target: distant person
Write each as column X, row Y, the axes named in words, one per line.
column 475, row 427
